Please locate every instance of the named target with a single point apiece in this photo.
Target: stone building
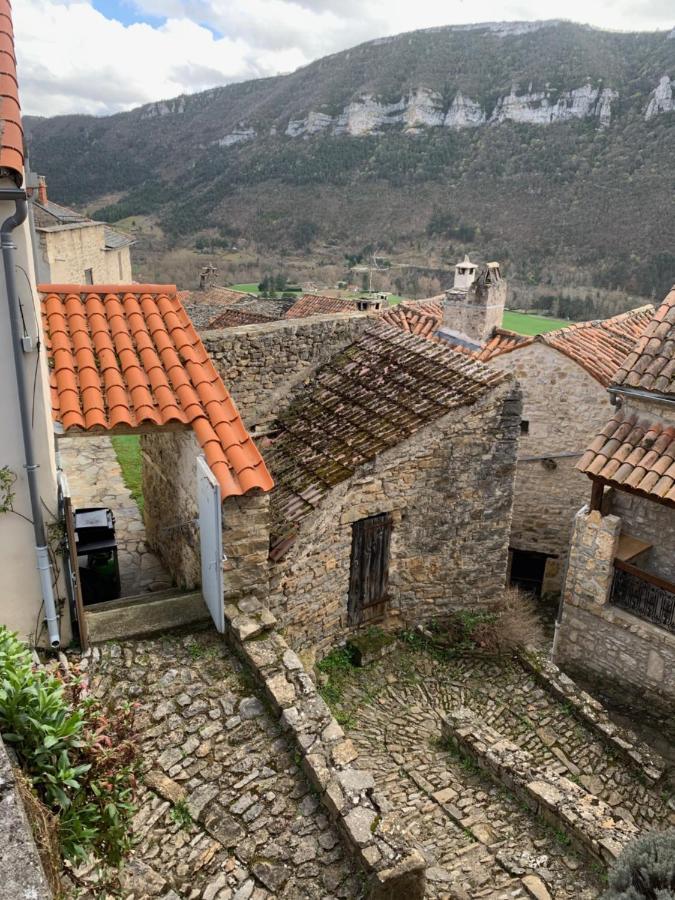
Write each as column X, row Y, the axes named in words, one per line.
column 563, row 376
column 617, row 621
column 391, row 447
column 72, row 249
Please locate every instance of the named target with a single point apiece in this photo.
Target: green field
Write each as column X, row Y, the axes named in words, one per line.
column 127, row 448
column 249, row 288
column 524, row 323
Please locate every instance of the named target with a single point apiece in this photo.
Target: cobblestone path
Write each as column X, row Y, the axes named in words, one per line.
column 95, row 479
column 257, row 830
column 477, row 839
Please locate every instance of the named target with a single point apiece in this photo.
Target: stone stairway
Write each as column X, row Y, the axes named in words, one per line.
column 145, row 614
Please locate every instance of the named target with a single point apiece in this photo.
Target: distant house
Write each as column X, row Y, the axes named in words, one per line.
column 73, row 249
column 618, row 616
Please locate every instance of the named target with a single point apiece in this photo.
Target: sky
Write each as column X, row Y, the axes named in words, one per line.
column 104, row 56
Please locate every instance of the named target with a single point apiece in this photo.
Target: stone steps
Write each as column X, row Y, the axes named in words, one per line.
column 145, row 614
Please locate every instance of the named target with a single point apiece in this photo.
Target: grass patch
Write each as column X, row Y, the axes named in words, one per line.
column 181, row 815
column 127, row 449
column 248, row 288
column 524, row 323
column 338, row 666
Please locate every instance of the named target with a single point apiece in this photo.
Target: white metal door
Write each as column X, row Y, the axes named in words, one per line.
column 211, row 542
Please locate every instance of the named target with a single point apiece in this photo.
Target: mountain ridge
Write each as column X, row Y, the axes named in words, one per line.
column 434, row 117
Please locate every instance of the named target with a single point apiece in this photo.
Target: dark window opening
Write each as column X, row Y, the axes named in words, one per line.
column 88, row 276
column 369, row 571
column 527, row 570
column 524, row 426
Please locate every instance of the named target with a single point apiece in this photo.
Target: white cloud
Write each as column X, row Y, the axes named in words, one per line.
column 74, row 59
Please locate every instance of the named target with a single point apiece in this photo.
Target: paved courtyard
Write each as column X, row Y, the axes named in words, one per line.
column 95, row 479
column 478, row 840
column 253, row 828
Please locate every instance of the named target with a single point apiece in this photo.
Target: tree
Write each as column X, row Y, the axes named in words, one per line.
column 645, row 869
column 304, row 233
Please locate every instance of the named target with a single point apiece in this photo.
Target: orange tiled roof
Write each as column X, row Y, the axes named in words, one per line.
column 634, row 454
column 602, row 345
column 420, row 318
column 123, row 357
column 317, row 305
column 236, row 315
column 650, row 366
column 11, row 129
column 502, row 341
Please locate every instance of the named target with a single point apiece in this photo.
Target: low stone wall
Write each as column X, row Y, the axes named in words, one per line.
column 588, row 820
column 628, row 657
column 592, row 713
column 329, row 759
column 246, row 542
column 21, row 874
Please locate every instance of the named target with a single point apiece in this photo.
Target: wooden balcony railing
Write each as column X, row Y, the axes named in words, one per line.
column 644, row 595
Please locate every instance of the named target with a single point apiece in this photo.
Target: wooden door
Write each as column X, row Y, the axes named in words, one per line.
column 71, row 564
column 369, row 574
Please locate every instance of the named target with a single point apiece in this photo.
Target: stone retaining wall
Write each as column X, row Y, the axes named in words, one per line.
column 592, row 713
column 21, row 874
column 586, row 819
column 329, row 759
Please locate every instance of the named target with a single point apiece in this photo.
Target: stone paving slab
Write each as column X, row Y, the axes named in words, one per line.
column 213, row 752
column 95, row 479
column 478, row 839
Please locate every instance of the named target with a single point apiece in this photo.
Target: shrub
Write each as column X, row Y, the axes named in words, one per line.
column 645, row 869
column 79, row 756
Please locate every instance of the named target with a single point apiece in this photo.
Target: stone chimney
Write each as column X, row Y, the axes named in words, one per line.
column 42, row 190
column 475, row 311
column 207, row 277
column 465, row 274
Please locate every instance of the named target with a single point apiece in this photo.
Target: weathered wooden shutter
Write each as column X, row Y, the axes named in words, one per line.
column 369, row 576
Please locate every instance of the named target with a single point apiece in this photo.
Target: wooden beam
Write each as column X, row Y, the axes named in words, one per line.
column 597, row 492
column 146, row 428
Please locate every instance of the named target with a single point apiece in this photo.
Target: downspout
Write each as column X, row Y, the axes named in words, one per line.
column 41, row 549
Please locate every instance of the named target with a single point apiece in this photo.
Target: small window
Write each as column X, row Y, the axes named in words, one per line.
column 119, row 266
column 524, row 426
column 88, row 276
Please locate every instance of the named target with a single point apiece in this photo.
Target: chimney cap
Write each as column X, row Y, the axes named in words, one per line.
column 466, row 263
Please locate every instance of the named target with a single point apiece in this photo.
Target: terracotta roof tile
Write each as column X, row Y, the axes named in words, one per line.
column 129, row 356
column 372, row 395
column 650, row 366
column 502, row 341
column 11, row 129
column 316, row 305
column 421, row 318
column 633, row 453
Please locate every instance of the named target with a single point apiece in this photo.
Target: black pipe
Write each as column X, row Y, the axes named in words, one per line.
column 23, row 394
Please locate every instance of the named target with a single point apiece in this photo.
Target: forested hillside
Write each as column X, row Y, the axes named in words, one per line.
column 547, row 145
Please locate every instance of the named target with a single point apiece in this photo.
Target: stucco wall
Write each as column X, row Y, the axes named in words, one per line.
column 564, row 408
column 21, row 594
column 261, row 364
column 449, row 490
column 65, row 253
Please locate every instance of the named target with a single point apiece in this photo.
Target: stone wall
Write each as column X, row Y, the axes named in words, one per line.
column 246, row 544
column 370, row 828
column 66, row 252
column 626, row 656
column 170, row 495
column 564, row 408
column 475, row 313
column 650, row 522
column 449, row 491
column 587, row 820
column 262, row 364
column 21, row 873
